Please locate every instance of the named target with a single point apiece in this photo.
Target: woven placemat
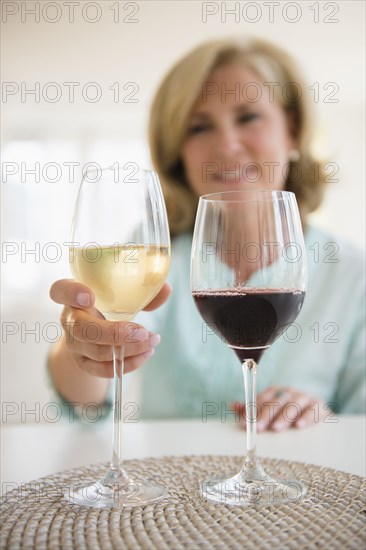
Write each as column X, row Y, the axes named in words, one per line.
column 332, row 515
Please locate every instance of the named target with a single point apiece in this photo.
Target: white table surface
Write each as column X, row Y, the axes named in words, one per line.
column 31, row 451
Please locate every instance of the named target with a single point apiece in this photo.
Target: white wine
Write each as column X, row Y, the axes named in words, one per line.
column 124, row 279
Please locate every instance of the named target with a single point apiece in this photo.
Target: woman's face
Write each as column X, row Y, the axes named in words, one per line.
column 238, row 135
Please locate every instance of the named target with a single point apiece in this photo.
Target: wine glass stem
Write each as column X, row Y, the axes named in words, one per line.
column 251, row 468
column 250, row 385
column 118, row 365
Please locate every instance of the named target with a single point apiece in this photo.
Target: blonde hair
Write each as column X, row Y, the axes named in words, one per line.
column 177, row 95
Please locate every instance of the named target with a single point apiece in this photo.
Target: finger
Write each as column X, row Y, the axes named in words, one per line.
column 160, row 298
column 306, row 419
column 265, row 395
column 142, row 347
column 291, row 411
column 102, row 353
column 311, row 414
column 237, row 406
column 270, row 403
column 269, row 394
column 71, row 293
column 262, row 397
column 133, row 363
column 267, row 403
column 104, row 369
column 82, row 326
column 93, row 352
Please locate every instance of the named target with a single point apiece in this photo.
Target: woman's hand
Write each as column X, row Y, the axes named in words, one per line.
column 281, row 408
column 89, row 337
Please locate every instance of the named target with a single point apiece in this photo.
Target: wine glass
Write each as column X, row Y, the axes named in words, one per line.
column 121, row 250
column 248, row 280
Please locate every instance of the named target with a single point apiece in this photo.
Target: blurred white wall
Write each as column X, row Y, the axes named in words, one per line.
column 72, row 52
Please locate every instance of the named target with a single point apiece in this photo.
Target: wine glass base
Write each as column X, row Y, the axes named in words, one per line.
column 235, row 491
column 133, row 493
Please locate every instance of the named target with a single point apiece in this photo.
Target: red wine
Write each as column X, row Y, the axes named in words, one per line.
column 249, row 320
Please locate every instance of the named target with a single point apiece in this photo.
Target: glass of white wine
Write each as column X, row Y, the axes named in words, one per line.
column 121, row 251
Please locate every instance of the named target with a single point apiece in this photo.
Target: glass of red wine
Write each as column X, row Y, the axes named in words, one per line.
column 248, row 280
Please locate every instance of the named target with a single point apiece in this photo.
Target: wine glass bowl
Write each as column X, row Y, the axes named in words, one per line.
column 120, row 240
column 120, row 249
column 248, row 280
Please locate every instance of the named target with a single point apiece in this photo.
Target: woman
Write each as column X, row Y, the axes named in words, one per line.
column 230, row 115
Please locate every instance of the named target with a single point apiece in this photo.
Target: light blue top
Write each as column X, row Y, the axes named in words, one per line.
column 322, row 354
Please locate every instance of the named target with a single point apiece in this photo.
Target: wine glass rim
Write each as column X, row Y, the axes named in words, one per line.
column 261, row 194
